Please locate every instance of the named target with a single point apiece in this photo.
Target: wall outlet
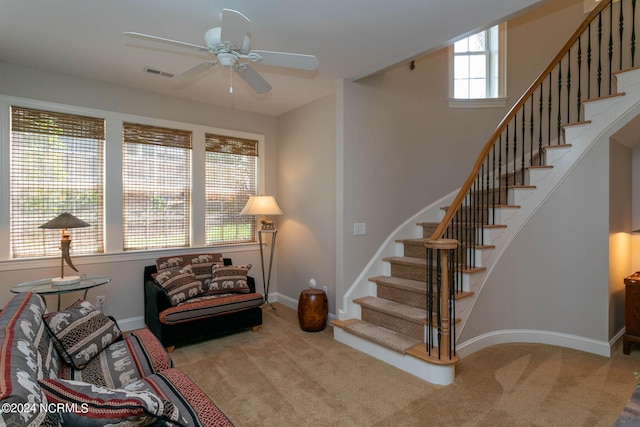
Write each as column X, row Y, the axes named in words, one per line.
column 101, row 302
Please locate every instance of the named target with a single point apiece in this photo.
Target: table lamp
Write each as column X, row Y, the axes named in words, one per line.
column 264, row 205
column 64, row 221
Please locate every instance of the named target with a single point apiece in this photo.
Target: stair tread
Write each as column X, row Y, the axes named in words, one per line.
column 405, row 260
column 392, row 308
column 411, row 285
column 398, row 282
column 383, row 336
column 424, row 240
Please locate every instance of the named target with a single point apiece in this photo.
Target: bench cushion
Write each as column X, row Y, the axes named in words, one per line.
column 209, row 306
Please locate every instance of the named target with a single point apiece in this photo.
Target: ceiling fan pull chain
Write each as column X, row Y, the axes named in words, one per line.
column 231, row 80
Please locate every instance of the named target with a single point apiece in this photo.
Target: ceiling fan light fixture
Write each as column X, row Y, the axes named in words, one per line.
column 227, row 59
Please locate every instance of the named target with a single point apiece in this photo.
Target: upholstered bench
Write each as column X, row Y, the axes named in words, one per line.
column 191, row 298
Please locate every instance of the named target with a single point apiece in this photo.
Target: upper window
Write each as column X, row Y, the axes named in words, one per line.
column 156, row 187
column 478, row 63
column 231, row 177
column 56, row 167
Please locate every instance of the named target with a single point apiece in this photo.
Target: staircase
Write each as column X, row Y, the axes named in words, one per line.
column 389, row 312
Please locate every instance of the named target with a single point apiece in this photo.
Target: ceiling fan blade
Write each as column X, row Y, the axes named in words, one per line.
column 193, row 71
column 283, row 59
column 234, row 27
column 166, row 41
column 253, row 79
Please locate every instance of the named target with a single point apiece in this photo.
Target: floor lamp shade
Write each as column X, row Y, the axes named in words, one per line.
column 262, row 205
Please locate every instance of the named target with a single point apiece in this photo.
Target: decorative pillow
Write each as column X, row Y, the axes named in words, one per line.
column 200, row 263
column 81, row 332
column 99, row 406
column 179, row 282
column 232, row 278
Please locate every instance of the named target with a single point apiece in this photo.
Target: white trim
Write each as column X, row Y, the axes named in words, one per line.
column 478, row 103
column 559, row 339
column 113, row 181
column 131, row 324
column 32, row 263
column 500, row 92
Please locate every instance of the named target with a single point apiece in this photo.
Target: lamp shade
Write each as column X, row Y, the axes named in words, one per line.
column 261, row 205
column 65, row 220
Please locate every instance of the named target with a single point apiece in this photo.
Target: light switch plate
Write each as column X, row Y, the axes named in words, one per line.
column 359, row 228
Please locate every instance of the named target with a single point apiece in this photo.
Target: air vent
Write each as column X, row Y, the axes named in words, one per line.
column 158, row 72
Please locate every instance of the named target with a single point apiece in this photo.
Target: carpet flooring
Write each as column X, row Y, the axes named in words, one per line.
column 282, row 376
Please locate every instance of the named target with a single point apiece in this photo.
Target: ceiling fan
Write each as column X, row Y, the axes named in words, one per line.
column 230, row 46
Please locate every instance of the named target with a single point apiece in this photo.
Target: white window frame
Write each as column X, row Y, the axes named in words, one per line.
column 113, row 223
column 497, row 73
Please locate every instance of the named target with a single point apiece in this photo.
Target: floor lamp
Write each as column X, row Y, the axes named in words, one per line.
column 264, row 205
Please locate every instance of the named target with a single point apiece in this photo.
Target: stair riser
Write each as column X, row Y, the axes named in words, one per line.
column 405, row 327
column 402, row 296
column 427, row 230
column 417, row 250
column 409, row 272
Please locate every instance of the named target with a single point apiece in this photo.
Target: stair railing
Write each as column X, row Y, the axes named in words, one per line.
column 583, row 69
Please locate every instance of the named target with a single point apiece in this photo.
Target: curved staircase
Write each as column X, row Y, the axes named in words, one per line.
column 385, row 312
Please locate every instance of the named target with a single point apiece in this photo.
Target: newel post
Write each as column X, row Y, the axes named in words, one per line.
column 443, row 248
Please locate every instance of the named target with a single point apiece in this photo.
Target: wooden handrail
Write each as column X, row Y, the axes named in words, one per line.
column 466, row 187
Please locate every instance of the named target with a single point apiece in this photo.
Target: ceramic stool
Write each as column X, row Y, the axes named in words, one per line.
column 313, row 309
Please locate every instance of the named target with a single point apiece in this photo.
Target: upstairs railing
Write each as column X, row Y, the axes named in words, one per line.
column 584, row 69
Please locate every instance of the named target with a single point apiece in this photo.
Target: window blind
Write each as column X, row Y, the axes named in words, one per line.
column 231, row 177
column 57, row 166
column 156, row 181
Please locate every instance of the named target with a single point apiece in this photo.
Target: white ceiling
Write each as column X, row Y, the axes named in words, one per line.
column 350, row 38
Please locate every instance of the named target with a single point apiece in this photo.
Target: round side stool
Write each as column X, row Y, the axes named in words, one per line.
column 313, row 309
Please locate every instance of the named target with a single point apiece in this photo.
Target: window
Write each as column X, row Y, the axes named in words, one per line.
column 142, row 183
column 478, row 64
column 156, row 187
column 231, row 177
column 56, row 166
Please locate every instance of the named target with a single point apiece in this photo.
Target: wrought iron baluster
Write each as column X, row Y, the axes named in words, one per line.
column 610, row 47
column 579, row 104
column 599, row 54
column 559, row 121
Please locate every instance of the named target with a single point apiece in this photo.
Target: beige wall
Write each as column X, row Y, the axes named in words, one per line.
column 620, row 250
column 306, row 194
column 403, row 147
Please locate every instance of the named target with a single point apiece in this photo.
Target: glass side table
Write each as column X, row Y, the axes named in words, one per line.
column 47, row 287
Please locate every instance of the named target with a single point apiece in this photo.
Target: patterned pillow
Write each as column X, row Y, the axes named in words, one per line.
column 99, row 406
column 179, row 282
column 81, row 332
column 200, row 263
column 232, row 278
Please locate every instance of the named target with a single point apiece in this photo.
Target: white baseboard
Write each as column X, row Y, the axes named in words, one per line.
column 601, row 348
column 291, row 303
column 131, row 323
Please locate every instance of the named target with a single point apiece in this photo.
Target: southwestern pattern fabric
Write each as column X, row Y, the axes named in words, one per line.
column 98, row 406
column 179, row 282
column 123, row 362
column 81, row 332
column 20, row 323
column 195, row 406
column 201, row 264
column 229, row 279
column 209, row 306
